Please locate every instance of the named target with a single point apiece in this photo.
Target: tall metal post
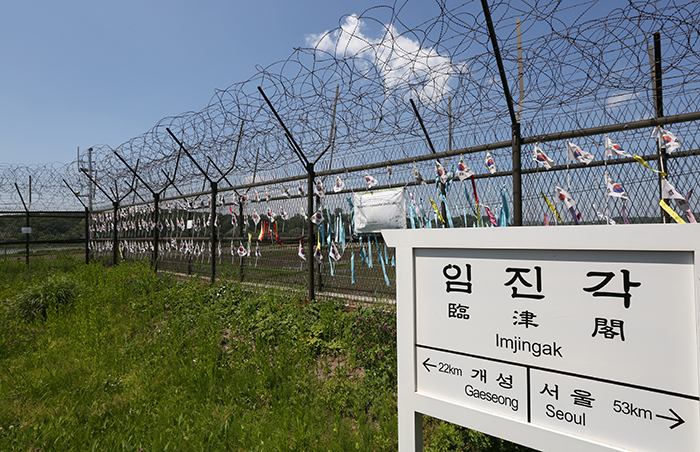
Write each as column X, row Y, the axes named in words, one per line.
column 26, row 236
column 115, row 237
column 310, row 227
column 319, row 265
column 514, row 121
column 240, row 233
column 659, row 113
column 212, row 213
column 517, row 177
column 240, row 218
column 87, row 235
column 91, row 187
column 156, row 231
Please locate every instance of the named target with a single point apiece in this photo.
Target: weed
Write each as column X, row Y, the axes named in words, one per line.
column 374, row 342
column 55, row 292
column 123, row 359
column 15, row 332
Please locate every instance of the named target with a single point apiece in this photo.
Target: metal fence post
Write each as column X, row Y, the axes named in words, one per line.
column 156, row 232
column 115, row 237
column 320, row 264
column 87, row 236
column 311, row 174
column 516, row 139
column 659, row 113
column 517, row 177
column 240, row 233
column 212, row 213
column 27, row 238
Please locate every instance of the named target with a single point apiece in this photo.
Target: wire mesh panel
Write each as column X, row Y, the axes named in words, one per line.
column 384, row 101
column 42, row 235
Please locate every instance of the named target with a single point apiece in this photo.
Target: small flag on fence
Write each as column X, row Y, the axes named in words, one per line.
column 317, row 218
column 540, row 157
column 463, row 171
column 615, row 189
column 416, row 174
column 370, row 181
column 574, row 152
column 441, row 173
column 667, row 140
column 490, row 163
column 339, row 184
column 614, row 148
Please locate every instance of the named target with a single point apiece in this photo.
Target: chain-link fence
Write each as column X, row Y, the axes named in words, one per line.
column 599, row 95
column 43, row 235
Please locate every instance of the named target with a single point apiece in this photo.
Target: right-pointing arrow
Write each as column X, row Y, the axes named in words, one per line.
column 676, row 418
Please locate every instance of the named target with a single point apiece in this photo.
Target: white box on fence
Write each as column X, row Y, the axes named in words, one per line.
column 377, row 210
column 568, row 338
column 27, row 230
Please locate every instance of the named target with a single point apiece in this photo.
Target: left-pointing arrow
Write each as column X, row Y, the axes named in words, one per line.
column 676, row 418
column 428, row 366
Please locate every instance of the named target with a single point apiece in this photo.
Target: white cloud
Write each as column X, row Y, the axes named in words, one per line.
column 616, row 101
column 403, row 64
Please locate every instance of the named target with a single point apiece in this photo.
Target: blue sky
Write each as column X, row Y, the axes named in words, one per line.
column 83, row 73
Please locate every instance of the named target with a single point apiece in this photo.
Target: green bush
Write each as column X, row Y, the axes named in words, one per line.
column 55, row 292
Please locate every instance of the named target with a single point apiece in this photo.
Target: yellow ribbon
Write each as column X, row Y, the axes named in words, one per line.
column 671, row 212
column 437, row 211
column 551, row 207
column 478, row 214
column 643, row 163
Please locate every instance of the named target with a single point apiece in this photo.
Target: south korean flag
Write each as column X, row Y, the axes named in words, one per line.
column 614, row 189
column 339, row 185
column 318, row 189
column 242, row 252
column 463, row 171
column 370, row 181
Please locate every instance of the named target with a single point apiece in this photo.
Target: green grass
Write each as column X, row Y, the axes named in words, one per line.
column 95, row 358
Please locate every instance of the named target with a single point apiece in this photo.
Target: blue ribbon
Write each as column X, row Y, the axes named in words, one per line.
column 352, row 214
column 413, row 212
column 504, row 219
column 329, row 235
column 330, row 261
column 362, row 252
column 466, row 195
column 447, row 210
column 352, row 268
column 426, row 220
column 379, row 253
column 370, row 264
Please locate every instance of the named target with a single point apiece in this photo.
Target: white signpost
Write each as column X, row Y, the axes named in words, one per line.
column 569, row 338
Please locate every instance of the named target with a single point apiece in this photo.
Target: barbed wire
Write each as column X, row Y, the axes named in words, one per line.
column 584, row 64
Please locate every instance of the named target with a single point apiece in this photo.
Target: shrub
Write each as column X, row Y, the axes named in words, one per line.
column 55, row 292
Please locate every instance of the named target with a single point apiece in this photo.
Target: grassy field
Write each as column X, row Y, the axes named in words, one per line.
column 120, row 359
